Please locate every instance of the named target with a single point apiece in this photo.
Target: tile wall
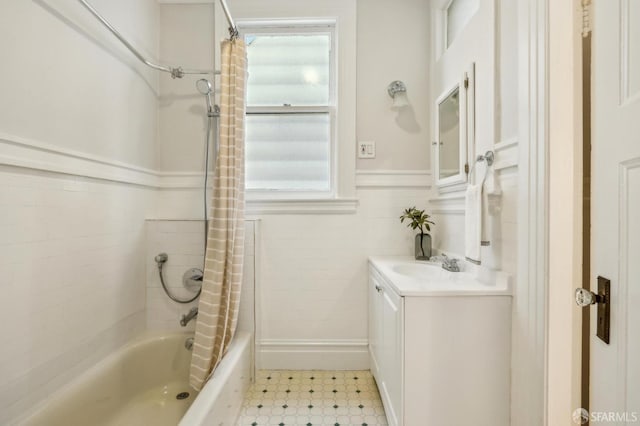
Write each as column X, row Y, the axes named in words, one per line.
column 183, row 241
column 71, row 277
column 313, row 279
column 311, row 272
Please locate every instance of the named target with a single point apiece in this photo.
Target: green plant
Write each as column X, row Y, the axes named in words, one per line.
column 418, row 220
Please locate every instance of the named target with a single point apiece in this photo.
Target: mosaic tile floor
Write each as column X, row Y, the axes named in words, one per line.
column 313, row 398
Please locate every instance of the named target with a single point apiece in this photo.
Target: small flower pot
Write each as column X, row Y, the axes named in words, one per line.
column 423, row 247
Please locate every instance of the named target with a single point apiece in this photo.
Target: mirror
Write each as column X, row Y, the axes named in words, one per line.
column 449, row 134
column 454, row 131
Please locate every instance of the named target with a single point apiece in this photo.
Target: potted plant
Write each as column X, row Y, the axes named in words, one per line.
column 418, row 219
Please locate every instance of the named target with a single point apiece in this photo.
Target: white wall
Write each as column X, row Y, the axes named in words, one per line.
column 474, row 44
column 186, row 38
column 488, row 40
column 393, row 45
column 74, row 104
column 66, row 81
column 507, row 71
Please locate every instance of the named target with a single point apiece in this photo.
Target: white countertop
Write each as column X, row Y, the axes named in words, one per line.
column 409, row 277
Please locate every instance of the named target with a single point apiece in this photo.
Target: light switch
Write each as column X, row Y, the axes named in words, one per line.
column 367, row 149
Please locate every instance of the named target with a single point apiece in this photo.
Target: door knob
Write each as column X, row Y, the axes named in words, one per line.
column 585, row 297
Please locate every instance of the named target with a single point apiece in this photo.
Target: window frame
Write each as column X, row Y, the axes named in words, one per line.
column 295, row 27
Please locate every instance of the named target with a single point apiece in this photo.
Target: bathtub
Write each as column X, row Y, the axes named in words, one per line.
column 146, row 382
column 220, row 400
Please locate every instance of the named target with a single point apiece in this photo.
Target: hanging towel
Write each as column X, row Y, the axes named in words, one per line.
column 491, row 194
column 485, row 222
column 473, row 223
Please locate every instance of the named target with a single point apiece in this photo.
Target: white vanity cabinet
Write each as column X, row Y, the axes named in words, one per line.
column 440, row 354
column 386, row 332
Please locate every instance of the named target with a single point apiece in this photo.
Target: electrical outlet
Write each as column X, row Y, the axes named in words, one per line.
column 367, row 149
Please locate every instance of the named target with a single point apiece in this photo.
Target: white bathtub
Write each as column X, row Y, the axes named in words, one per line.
column 220, row 400
column 139, row 384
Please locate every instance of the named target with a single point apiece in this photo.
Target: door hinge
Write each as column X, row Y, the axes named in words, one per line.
column 466, row 82
column 466, row 168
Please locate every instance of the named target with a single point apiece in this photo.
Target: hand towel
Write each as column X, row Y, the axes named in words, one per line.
column 491, row 195
column 473, row 223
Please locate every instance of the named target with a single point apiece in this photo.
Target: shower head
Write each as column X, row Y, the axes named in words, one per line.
column 204, row 86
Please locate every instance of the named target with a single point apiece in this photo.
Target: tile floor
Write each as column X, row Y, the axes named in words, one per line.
column 312, row 398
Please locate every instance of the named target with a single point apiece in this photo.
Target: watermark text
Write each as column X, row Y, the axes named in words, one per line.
column 581, row 416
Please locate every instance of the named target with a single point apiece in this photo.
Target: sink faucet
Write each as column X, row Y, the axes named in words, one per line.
column 450, row 264
column 193, row 312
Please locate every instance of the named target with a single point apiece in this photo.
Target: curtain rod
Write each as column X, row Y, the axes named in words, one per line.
column 233, row 30
column 176, row 72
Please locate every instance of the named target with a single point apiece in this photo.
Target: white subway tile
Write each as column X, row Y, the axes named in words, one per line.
column 71, row 266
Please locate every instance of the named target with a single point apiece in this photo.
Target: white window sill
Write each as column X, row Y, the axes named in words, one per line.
column 256, row 207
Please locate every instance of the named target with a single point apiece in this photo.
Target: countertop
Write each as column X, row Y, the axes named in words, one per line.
column 428, row 279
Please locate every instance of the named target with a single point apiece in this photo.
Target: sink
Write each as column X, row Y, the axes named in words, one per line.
column 430, row 273
column 417, row 270
column 408, row 277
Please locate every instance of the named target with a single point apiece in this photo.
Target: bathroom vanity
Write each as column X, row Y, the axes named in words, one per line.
column 439, row 343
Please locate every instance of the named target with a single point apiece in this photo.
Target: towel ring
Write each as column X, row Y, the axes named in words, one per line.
column 488, row 157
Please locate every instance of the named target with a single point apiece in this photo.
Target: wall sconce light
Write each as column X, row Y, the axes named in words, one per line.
column 398, row 92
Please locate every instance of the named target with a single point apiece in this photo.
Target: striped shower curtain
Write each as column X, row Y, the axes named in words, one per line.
column 220, row 297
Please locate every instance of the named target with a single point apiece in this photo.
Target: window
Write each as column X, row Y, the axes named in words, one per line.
column 291, row 110
column 458, row 14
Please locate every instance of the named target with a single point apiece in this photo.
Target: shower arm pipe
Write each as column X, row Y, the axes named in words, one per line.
column 177, row 72
column 233, row 30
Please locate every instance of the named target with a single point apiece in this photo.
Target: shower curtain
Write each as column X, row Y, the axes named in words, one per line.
column 220, row 297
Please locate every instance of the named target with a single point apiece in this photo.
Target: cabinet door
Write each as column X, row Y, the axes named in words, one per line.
column 375, row 322
column 391, row 358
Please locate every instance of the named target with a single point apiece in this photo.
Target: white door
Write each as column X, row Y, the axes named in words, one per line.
column 615, row 367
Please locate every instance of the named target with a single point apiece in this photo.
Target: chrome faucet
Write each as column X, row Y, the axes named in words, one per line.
column 450, row 264
column 193, row 312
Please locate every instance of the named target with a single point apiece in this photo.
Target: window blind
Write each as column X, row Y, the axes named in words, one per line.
column 289, row 111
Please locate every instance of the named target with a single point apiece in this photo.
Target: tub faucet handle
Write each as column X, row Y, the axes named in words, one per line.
column 186, row 318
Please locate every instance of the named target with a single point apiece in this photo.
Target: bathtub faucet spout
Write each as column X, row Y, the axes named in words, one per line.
column 193, row 312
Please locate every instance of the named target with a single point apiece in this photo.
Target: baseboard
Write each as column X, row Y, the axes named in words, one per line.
column 313, row 354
